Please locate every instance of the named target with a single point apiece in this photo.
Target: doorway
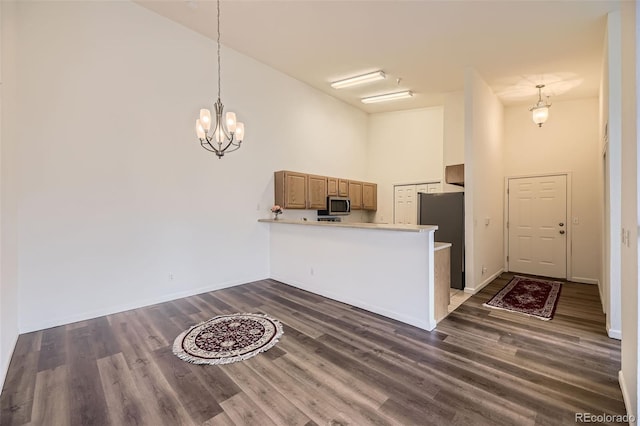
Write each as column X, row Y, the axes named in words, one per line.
column 537, row 225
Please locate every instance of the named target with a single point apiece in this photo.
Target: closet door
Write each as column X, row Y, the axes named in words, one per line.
column 405, row 205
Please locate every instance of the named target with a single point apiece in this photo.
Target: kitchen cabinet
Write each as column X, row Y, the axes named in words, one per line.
column 295, row 190
column 317, row 192
column 290, row 189
column 454, row 174
column 429, row 188
column 355, row 194
column 369, row 196
column 343, row 188
column 332, row 186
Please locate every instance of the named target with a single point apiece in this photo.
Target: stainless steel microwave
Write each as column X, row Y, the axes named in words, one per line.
column 336, row 206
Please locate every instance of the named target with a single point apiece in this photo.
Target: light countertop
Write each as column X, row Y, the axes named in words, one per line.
column 377, row 226
column 441, row 246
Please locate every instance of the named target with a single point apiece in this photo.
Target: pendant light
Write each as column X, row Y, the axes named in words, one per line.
column 540, row 111
column 227, row 135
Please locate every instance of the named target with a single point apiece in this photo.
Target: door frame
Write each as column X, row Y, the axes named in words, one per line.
column 569, row 239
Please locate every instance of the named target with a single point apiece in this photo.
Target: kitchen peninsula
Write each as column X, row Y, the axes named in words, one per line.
column 386, row 269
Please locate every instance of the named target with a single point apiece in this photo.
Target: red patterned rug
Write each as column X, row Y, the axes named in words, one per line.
column 531, row 296
column 227, row 338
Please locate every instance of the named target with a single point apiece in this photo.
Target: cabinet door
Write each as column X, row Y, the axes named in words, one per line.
column 343, row 188
column 355, row 194
column 332, row 186
column 434, row 187
column 290, row 189
column 317, row 192
column 369, row 196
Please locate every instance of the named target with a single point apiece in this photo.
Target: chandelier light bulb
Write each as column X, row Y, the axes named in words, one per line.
column 205, row 119
column 240, row 131
column 200, row 130
column 231, row 122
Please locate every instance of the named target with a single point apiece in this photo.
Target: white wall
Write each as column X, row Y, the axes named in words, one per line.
column 453, row 150
column 361, row 267
column 116, row 194
column 484, row 183
column 612, row 94
column 629, row 205
column 8, row 204
column 404, row 147
column 567, row 142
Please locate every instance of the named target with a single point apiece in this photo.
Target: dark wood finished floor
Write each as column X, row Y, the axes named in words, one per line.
column 335, row 364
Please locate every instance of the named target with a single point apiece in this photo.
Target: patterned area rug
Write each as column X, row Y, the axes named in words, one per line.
column 530, row 296
column 227, row 338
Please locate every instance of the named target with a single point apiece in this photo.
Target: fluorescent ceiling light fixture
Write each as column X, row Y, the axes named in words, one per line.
column 359, row 79
column 387, row 97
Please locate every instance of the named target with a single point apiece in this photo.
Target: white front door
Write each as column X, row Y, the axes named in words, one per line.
column 537, row 225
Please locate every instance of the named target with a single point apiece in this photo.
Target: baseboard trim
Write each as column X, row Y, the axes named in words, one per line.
column 614, row 334
column 428, row 324
column 604, row 308
column 33, row 326
column 5, row 367
column 474, row 290
column 626, row 399
column 583, row 280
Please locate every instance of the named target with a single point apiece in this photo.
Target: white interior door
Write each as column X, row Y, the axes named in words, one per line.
column 537, row 225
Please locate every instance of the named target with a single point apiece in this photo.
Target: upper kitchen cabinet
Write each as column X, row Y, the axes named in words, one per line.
column 369, row 196
column 355, row 194
column 343, row 188
column 291, row 189
column 454, row 174
column 332, row 186
column 317, row 192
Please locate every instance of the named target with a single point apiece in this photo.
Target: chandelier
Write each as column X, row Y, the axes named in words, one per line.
column 226, row 136
column 541, row 109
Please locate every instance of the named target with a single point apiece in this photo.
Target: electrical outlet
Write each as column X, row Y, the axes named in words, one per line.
column 484, row 269
column 170, row 276
column 312, row 272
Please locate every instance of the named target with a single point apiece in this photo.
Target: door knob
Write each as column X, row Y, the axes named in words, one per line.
column 561, row 224
column 562, row 231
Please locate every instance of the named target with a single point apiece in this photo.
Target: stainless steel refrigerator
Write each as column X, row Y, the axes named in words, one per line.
column 446, row 210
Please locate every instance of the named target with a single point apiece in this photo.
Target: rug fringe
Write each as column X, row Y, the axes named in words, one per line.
column 516, row 312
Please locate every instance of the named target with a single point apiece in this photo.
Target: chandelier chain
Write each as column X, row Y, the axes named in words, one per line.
column 218, row 49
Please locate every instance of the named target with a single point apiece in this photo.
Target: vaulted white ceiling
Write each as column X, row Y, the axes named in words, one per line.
column 514, row 45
